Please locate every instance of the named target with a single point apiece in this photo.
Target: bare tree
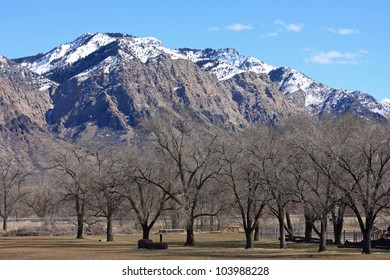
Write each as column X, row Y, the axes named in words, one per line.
column 244, row 181
column 11, row 192
column 42, row 198
column 319, row 197
column 73, row 177
column 143, row 173
column 316, row 175
column 106, row 178
column 314, row 189
column 364, row 157
column 190, row 151
column 354, row 156
column 270, row 153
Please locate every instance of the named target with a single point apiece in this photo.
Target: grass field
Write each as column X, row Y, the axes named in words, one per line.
column 208, row 246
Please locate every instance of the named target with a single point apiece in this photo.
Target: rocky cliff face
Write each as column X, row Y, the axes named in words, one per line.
column 258, row 99
column 23, row 93
column 25, row 100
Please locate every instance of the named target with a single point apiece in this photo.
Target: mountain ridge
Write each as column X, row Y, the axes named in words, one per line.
column 224, row 63
column 110, row 80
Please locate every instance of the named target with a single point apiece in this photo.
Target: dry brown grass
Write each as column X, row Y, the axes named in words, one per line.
column 209, row 246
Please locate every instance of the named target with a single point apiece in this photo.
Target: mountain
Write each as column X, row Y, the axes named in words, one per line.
column 102, row 84
column 25, row 98
column 107, row 82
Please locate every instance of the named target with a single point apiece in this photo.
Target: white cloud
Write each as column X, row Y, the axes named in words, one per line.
column 334, row 57
column 285, row 27
column 279, row 22
column 239, row 27
column 342, row 31
column 348, row 31
column 295, row 27
column 213, row 28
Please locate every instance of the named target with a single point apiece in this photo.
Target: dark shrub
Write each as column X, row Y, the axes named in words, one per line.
column 156, row 245
column 142, row 243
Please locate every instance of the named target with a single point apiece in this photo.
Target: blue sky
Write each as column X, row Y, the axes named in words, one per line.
column 342, row 43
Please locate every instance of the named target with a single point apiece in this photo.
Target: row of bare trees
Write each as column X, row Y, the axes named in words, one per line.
column 194, row 171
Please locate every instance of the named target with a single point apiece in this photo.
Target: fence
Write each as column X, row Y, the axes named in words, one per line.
column 272, row 232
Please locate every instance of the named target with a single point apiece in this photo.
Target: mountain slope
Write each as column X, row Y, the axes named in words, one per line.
column 25, row 100
column 23, row 92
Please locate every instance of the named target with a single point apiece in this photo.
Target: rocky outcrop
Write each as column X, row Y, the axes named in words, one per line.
column 259, row 100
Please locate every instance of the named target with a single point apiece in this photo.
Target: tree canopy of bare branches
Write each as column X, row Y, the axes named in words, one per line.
column 12, row 178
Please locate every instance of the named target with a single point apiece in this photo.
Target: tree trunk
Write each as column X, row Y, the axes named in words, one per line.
column 145, row 230
column 289, row 225
column 281, row 213
column 174, row 219
column 248, row 238
column 218, row 224
column 110, row 235
column 338, row 233
column 324, row 229
column 190, row 241
column 212, row 223
column 338, row 223
column 5, row 222
column 257, row 231
column 80, row 226
column 367, row 239
column 366, row 228
column 308, row 229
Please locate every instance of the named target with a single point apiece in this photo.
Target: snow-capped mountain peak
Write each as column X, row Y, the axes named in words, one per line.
column 67, row 54
column 224, row 63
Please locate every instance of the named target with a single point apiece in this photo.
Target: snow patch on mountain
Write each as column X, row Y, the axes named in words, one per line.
column 229, row 56
column 3, row 60
column 18, row 73
column 146, row 48
column 386, row 106
column 225, row 63
column 107, row 66
column 292, row 81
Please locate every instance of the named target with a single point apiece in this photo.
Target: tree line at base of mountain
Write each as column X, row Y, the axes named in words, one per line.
column 178, row 166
